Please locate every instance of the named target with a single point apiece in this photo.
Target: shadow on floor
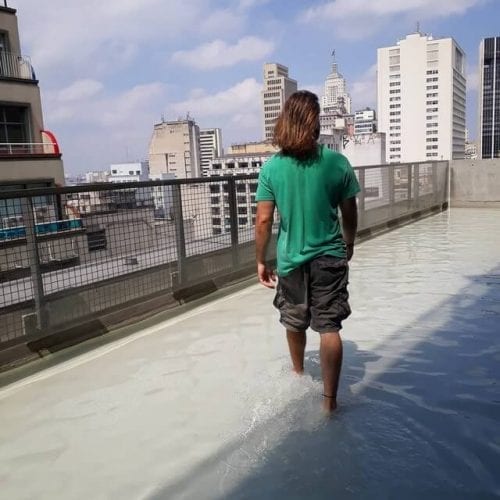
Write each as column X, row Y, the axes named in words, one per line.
column 419, row 420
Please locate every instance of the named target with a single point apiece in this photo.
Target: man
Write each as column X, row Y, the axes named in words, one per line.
column 307, row 183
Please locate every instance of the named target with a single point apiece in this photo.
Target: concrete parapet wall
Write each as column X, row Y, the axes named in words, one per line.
column 475, row 183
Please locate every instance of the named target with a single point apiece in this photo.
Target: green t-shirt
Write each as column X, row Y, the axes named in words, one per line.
column 307, row 196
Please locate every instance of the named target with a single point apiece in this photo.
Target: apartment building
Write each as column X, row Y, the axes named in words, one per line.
column 365, row 121
column 29, row 154
column 421, row 99
column 278, row 87
column 175, row 149
column 210, row 147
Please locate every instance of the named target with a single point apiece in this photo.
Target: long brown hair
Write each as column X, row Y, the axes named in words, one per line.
column 297, row 129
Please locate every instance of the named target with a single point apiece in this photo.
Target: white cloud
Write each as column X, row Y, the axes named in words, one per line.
column 359, row 18
column 80, row 89
column 242, row 97
column 95, row 130
column 218, row 54
column 473, row 80
column 364, row 89
column 237, row 110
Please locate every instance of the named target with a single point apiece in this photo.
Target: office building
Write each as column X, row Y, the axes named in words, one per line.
column 421, row 99
column 489, row 98
column 129, row 172
column 93, row 177
column 278, row 87
column 336, row 99
column 365, row 121
column 175, row 149
column 210, row 147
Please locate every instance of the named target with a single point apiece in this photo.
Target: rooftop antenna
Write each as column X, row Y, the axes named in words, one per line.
column 418, row 27
column 162, row 118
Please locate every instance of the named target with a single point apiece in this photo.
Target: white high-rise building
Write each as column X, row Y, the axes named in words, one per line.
column 210, row 147
column 175, row 149
column 421, row 99
column 335, row 98
column 278, row 87
column 365, row 121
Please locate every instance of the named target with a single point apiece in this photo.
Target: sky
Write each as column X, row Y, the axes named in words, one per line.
column 109, row 70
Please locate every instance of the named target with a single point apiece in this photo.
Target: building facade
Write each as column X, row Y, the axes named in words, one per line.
column 175, row 149
column 94, row 177
column 29, row 155
column 365, row 121
column 278, row 87
column 336, row 99
column 129, row 172
column 210, row 147
column 489, row 98
column 246, row 205
column 421, row 99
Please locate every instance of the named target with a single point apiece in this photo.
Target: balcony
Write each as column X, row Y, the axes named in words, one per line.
column 202, row 404
column 16, row 66
column 48, row 146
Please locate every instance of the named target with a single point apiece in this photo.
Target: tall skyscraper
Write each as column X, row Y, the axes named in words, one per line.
column 421, row 99
column 278, row 87
column 335, row 98
column 175, row 149
column 489, row 98
column 210, row 147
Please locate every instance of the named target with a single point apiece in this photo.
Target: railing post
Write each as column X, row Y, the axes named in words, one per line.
column 361, row 197
column 392, row 194
column 410, row 180
column 180, row 237
column 435, row 182
column 416, row 185
column 34, row 260
column 233, row 216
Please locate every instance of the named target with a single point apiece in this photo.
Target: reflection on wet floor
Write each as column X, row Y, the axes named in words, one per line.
column 204, row 406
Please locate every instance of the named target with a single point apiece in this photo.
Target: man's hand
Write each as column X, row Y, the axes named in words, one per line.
column 266, row 276
column 349, row 251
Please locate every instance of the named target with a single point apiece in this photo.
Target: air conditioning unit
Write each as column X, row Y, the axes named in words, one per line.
column 13, row 221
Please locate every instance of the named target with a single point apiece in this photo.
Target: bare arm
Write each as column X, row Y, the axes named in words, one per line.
column 263, row 229
column 349, row 210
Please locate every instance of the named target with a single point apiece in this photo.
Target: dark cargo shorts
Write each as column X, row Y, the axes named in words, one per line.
column 314, row 294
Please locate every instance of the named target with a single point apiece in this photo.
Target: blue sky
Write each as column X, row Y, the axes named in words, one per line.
column 109, row 70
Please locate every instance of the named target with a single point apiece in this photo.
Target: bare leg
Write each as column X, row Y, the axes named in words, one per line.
column 297, row 346
column 331, row 364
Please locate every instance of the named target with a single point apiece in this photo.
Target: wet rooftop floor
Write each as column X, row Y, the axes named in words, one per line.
column 204, row 406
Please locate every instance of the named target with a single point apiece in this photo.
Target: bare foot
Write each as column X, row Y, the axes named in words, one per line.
column 329, row 404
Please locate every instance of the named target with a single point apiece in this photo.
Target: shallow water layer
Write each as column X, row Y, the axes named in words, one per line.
column 204, row 406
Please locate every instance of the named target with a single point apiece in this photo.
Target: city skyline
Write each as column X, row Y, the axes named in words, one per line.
column 104, row 88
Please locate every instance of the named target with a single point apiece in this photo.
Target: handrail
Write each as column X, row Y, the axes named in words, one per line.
column 16, row 66
column 28, row 148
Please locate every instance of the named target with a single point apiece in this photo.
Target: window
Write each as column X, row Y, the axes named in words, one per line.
column 241, row 199
column 432, row 146
column 394, row 84
column 434, row 79
column 214, row 188
column 215, row 210
column 14, row 124
column 432, row 87
column 395, row 113
column 242, row 221
column 216, row 221
column 113, row 171
column 395, row 128
column 395, row 91
column 429, row 125
column 432, row 71
column 432, row 139
column 434, row 94
column 253, row 188
column 393, row 150
column 242, row 210
column 241, row 188
column 214, row 200
column 431, row 132
column 431, row 117
column 432, row 110
column 392, row 99
column 394, row 106
column 395, row 120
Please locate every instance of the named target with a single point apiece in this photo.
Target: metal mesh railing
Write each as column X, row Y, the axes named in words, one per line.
column 71, row 254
